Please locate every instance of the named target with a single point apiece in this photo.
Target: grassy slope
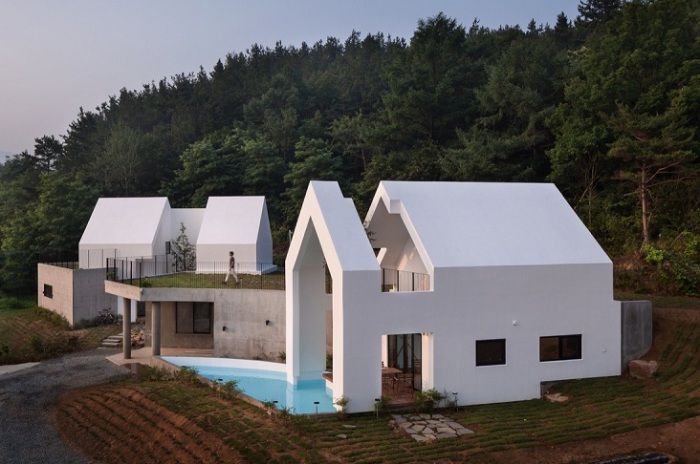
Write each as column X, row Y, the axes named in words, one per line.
column 23, row 327
column 597, row 408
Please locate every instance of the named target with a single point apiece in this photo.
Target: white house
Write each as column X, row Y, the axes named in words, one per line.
column 133, row 236
column 143, row 228
column 238, row 224
column 480, row 290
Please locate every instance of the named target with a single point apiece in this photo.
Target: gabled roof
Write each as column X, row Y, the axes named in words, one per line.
column 338, row 226
column 231, row 220
column 463, row 224
column 124, row 221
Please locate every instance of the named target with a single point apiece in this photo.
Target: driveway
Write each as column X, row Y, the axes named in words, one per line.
column 28, row 398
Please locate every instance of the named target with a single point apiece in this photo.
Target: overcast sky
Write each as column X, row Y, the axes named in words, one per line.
column 56, row 56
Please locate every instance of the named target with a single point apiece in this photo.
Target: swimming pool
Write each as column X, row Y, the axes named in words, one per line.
column 264, row 381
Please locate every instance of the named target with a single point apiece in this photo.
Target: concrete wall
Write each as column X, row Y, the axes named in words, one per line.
column 61, row 279
column 89, row 297
column 637, row 330
column 169, row 337
column 77, row 294
column 244, row 312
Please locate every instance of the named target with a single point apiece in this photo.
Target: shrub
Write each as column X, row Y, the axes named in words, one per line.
column 154, row 373
column 52, row 317
column 187, row 374
column 342, row 402
column 229, row 389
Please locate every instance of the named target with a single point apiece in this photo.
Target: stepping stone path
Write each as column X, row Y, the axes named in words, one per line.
column 428, row 427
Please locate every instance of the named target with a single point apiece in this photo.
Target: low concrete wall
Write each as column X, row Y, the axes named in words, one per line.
column 77, row 294
column 61, row 281
column 89, row 297
column 637, row 330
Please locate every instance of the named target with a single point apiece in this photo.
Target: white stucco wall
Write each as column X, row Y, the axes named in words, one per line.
column 519, row 304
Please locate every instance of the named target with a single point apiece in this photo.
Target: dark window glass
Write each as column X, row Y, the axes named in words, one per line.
column 202, row 318
column 140, row 309
column 560, row 347
column 183, row 317
column 48, row 291
column 490, row 352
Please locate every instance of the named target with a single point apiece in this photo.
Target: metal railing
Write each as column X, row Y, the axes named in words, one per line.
column 66, row 264
column 167, row 271
column 394, row 280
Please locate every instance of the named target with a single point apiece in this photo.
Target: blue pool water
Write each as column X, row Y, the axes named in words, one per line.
column 265, row 385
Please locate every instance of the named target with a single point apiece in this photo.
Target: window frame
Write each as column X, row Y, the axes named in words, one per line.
column 560, row 350
column 501, row 362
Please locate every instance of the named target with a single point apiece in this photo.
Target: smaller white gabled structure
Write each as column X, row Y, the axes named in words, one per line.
column 238, row 224
column 483, row 290
column 142, row 227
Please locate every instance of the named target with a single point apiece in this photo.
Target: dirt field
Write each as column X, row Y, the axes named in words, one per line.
column 179, row 422
column 122, row 425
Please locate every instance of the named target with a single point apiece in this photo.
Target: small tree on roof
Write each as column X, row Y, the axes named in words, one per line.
column 183, row 251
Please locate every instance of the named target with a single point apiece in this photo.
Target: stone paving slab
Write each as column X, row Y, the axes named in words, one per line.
column 428, row 427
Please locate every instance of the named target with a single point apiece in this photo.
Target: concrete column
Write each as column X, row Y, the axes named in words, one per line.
column 155, row 328
column 126, row 327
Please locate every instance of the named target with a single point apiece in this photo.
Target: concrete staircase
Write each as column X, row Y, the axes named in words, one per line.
column 113, row 341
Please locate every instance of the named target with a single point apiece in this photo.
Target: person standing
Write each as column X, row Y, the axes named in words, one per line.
column 231, row 268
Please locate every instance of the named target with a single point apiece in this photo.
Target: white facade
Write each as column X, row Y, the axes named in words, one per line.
column 141, row 227
column 501, row 261
column 238, row 224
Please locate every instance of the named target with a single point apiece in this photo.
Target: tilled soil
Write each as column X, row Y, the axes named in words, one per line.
column 125, row 426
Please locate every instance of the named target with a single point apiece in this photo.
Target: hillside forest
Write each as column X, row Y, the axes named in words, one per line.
column 605, row 105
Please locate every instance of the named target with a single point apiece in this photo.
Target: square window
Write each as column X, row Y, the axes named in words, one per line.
column 490, row 352
column 48, row 291
column 560, row 348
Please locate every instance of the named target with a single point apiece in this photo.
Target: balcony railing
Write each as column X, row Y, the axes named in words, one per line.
column 394, row 280
column 167, row 271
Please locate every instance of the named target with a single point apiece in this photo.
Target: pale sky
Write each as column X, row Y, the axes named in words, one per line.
column 56, row 56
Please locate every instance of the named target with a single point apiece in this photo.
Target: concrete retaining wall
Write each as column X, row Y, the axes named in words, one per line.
column 254, row 319
column 169, row 338
column 637, row 330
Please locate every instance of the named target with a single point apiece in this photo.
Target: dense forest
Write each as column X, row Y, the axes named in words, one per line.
column 605, row 105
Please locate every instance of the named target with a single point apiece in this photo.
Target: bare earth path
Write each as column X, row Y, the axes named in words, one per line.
column 27, row 400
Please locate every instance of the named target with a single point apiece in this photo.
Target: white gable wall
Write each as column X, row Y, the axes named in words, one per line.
column 234, row 224
column 122, row 227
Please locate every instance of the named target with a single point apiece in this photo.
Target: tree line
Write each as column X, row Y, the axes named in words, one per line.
column 605, row 105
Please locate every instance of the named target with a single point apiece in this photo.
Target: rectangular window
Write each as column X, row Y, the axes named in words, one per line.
column 560, row 348
column 202, row 318
column 193, row 318
column 140, row 309
column 48, row 291
column 490, row 352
